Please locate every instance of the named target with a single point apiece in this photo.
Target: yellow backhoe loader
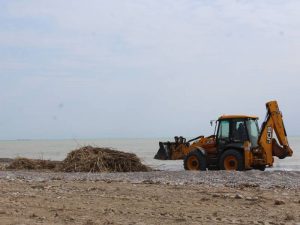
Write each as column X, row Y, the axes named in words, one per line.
column 237, row 144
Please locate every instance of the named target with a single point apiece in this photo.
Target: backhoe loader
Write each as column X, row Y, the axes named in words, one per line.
column 237, row 144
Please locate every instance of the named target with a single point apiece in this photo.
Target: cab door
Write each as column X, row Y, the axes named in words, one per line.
column 223, row 135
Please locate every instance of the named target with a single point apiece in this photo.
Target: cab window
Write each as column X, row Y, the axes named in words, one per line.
column 253, row 131
column 223, row 130
column 239, row 132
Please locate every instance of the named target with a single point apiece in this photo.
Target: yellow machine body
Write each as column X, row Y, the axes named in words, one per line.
column 257, row 150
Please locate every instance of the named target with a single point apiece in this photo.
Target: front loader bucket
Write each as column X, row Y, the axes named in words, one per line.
column 162, row 152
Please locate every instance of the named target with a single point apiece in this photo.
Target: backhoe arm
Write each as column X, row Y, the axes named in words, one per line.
column 268, row 144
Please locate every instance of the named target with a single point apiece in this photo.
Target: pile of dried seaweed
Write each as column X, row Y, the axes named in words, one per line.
column 32, row 164
column 85, row 159
column 90, row 159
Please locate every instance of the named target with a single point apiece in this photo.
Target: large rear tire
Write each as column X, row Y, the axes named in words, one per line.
column 232, row 160
column 194, row 161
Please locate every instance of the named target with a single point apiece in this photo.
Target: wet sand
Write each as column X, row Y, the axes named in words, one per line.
column 161, row 197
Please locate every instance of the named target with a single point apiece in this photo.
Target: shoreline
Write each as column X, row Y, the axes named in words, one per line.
column 251, row 178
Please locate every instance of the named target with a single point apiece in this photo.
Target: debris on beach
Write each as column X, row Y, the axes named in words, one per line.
column 32, row 164
column 91, row 159
column 85, row 159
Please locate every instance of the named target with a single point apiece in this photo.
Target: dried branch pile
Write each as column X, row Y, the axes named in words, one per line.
column 85, row 159
column 32, row 164
column 90, row 159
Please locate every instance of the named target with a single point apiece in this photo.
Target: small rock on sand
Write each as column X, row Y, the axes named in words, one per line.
column 251, row 198
column 216, row 195
column 279, row 202
column 238, row 196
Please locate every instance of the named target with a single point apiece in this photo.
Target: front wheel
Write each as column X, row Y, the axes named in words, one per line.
column 232, row 160
column 194, row 161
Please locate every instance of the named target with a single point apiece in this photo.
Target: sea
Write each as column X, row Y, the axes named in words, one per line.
column 145, row 149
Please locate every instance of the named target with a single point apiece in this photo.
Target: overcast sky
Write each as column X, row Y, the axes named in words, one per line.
column 144, row 68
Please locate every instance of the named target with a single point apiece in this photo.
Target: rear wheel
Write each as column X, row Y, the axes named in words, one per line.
column 232, row 160
column 194, row 161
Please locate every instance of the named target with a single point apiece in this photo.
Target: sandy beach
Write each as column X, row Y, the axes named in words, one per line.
column 161, row 197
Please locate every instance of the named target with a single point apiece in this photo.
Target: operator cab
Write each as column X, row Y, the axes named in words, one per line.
column 234, row 130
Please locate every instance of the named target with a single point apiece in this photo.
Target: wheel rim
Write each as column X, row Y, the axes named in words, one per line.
column 193, row 163
column 230, row 163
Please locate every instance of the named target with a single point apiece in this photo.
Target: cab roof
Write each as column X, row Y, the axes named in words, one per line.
column 237, row 117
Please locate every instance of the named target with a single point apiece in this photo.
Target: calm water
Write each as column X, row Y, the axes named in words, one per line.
column 144, row 148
